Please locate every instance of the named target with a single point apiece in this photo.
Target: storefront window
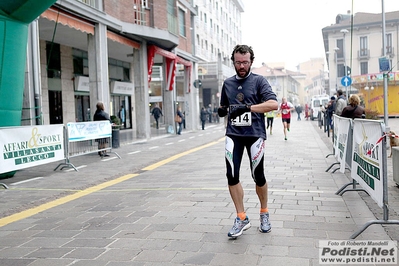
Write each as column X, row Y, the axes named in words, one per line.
column 121, row 106
column 82, row 108
column 80, row 62
column 53, row 53
column 118, row 70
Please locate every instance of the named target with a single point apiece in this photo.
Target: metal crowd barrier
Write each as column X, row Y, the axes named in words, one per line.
column 29, row 146
column 360, row 146
column 84, row 138
column 346, row 143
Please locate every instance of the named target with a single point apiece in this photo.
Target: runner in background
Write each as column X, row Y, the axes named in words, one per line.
column 285, row 109
column 269, row 119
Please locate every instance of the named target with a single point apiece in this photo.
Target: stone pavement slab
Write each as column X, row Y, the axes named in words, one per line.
column 166, row 202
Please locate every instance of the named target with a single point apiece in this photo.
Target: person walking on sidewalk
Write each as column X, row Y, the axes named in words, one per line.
column 285, row 110
column 203, row 117
column 179, row 120
column 157, row 113
column 298, row 110
column 245, row 97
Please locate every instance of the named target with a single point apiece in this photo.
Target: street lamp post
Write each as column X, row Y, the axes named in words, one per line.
column 345, row 31
column 336, row 49
column 367, row 88
column 385, row 75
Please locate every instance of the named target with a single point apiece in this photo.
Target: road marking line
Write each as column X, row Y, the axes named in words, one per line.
column 133, row 152
column 26, row 181
column 170, row 189
column 30, row 212
column 154, row 147
column 109, row 159
column 177, row 156
column 82, row 166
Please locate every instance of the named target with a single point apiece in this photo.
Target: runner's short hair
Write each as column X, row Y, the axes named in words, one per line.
column 243, row 49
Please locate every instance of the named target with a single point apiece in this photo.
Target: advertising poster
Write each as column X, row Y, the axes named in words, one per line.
column 29, row 146
column 89, row 130
column 342, row 137
column 335, row 139
column 367, row 157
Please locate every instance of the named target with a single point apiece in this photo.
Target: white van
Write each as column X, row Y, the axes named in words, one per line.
column 315, row 103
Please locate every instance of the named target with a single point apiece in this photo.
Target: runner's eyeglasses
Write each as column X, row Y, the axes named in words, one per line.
column 238, row 63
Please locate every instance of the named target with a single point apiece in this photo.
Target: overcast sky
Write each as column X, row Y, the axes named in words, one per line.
column 289, row 31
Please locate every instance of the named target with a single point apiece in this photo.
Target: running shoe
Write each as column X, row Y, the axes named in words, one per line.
column 285, row 138
column 265, row 226
column 239, row 226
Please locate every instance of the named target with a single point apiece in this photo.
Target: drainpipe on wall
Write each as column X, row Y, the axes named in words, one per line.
column 36, row 76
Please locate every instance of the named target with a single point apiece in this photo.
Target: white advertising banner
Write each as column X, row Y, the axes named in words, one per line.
column 28, row 146
column 335, row 137
column 89, row 130
column 367, row 157
column 343, row 126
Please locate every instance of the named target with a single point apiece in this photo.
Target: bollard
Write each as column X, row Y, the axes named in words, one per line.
column 115, row 137
column 395, row 164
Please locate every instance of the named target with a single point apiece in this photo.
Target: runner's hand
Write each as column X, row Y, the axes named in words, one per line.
column 222, row 111
column 239, row 110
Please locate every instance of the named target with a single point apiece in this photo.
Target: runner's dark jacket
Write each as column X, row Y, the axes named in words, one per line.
column 253, row 89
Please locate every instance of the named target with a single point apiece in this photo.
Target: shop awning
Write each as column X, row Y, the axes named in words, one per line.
column 123, row 40
column 68, row 20
column 171, row 61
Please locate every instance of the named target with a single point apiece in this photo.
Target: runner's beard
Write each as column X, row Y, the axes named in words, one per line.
column 242, row 72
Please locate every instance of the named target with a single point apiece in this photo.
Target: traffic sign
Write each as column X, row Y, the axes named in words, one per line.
column 197, row 83
column 346, row 81
column 384, row 64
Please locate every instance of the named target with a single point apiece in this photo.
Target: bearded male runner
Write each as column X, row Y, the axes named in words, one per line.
column 245, row 98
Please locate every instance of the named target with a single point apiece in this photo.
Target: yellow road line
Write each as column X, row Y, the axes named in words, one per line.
column 177, row 156
column 30, row 212
column 171, row 189
column 27, row 213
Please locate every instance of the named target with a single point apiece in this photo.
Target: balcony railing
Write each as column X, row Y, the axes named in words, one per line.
column 363, row 54
column 91, row 3
column 140, row 17
column 389, row 51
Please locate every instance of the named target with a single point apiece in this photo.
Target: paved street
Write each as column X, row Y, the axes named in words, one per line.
column 166, row 202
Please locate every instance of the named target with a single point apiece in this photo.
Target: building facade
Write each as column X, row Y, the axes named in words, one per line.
column 355, row 50
column 127, row 54
column 313, row 79
column 217, row 30
column 284, row 82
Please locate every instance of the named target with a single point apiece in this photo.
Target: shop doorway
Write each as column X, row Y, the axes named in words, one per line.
column 55, row 105
column 121, row 107
column 82, row 108
column 206, row 97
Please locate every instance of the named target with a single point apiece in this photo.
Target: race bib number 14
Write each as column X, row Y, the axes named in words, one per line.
column 243, row 120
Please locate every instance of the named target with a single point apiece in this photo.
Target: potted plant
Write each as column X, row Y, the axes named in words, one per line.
column 371, row 114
